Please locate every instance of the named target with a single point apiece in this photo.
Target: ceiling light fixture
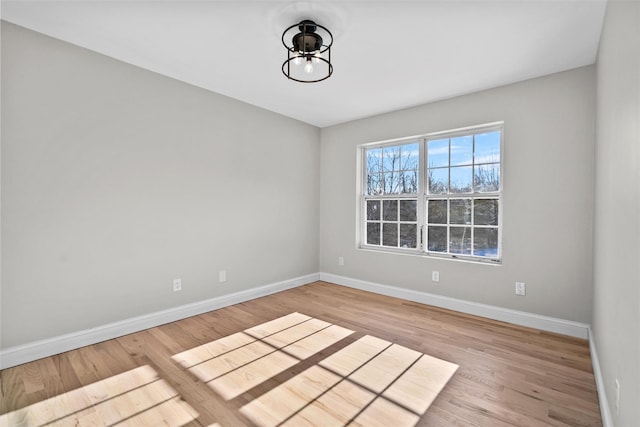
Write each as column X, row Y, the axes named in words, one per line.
column 308, row 54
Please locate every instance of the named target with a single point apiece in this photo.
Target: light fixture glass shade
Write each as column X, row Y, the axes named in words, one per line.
column 308, row 68
column 308, row 52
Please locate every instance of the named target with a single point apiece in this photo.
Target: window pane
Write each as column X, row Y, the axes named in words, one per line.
column 410, row 156
column 437, row 212
column 487, row 149
column 390, row 210
column 408, row 236
column 485, row 242
column 373, row 210
column 487, row 178
column 391, row 182
column 374, row 184
column 461, row 179
column 390, row 235
column 460, row 211
column 408, row 182
column 438, row 181
column 391, row 158
column 485, row 212
column 373, row 233
column 438, row 153
column 460, row 240
column 408, row 210
column 374, row 161
column 462, row 150
column 437, row 239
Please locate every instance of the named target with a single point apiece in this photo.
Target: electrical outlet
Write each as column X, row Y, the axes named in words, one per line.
column 521, row 289
column 222, row 276
column 435, row 276
column 340, row 260
column 177, row 285
column 617, row 406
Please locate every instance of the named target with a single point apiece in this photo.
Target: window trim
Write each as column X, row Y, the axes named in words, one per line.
column 422, row 195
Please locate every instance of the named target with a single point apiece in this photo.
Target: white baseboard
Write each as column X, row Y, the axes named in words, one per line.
column 545, row 323
column 44, row 348
column 605, row 411
column 28, row 352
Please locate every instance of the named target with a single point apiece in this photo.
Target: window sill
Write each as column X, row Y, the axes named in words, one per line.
column 432, row 255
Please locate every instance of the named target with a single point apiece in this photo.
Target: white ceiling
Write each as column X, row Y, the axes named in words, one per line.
column 387, row 55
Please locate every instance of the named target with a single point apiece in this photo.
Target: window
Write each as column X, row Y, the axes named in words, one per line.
column 392, row 195
column 439, row 194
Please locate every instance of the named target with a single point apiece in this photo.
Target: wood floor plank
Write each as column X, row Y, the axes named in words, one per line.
column 385, row 368
column 13, row 392
column 355, row 355
column 508, row 375
column 382, row 413
column 277, row 325
column 312, row 344
column 250, row 375
column 281, row 403
column 335, row 408
column 421, row 383
column 228, row 362
column 295, row 333
column 213, row 349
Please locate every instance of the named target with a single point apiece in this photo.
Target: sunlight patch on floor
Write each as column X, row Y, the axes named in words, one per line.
column 370, row 382
column 133, row 398
column 233, row 365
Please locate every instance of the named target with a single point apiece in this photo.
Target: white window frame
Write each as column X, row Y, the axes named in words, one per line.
column 423, row 197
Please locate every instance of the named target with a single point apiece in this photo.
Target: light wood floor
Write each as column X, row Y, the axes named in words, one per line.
column 507, row 376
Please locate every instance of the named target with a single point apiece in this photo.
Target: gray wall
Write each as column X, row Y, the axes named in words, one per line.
column 116, row 180
column 616, row 302
column 547, row 203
